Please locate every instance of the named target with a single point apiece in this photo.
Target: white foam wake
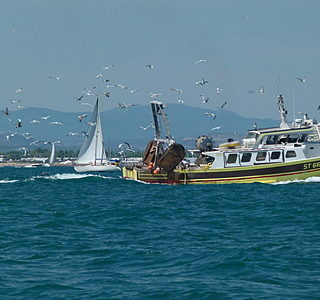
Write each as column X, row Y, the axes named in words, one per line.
column 68, row 176
column 308, row 180
column 8, row 181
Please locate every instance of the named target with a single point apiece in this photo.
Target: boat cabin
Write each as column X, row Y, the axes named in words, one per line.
column 265, row 146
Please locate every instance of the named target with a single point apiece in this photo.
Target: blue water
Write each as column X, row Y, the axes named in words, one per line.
column 84, row 236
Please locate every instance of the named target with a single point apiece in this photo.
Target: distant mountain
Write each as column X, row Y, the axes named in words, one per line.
column 120, row 125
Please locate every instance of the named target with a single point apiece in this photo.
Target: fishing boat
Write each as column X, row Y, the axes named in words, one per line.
column 92, row 156
column 286, row 153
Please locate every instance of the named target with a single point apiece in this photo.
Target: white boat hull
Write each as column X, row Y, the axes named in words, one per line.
column 97, row 168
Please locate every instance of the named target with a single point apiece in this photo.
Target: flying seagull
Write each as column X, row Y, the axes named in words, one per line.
column 45, row 118
column 200, row 60
column 149, row 66
column 6, row 112
column 154, row 96
column 126, row 106
column 27, row 135
column 202, row 82
column 18, row 90
column 176, row 90
column 302, row 80
column 86, row 104
column 56, row 78
column 216, row 128
column 129, row 147
column 34, row 121
column 89, row 92
column 145, row 128
column 14, row 101
column 56, row 123
column 123, row 86
column 222, row 105
column 106, row 68
column 84, row 133
column 11, row 134
column 204, row 99
column 25, row 150
column 78, row 98
column 246, row 17
column 218, row 90
column 73, row 133
column 211, row 114
column 262, row 90
column 19, row 123
column 81, row 117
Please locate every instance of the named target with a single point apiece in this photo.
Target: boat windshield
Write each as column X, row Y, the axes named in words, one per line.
column 285, row 138
column 251, row 135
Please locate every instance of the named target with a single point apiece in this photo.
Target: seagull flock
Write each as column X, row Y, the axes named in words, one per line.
column 88, row 92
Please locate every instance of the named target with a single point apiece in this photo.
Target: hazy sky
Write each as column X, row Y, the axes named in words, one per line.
column 247, row 44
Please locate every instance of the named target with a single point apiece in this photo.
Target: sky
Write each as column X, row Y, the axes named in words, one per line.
column 246, row 44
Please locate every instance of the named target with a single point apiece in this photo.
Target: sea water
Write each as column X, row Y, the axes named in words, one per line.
column 67, row 235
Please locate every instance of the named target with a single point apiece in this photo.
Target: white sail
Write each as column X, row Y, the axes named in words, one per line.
column 53, row 154
column 92, row 150
column 92, row 155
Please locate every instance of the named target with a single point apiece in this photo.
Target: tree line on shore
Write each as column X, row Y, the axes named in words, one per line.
column 62, row 154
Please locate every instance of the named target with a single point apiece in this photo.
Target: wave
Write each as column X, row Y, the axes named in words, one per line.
column 8, row 181
column 308, row 180
column 68, row 176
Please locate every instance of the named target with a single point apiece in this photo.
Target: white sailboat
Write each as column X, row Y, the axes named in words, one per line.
column 52, row 157
column 53, row 154
column 92, row 156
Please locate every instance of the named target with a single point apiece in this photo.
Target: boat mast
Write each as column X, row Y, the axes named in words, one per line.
column 158, row 110
column 97, row 129
column 284, row 123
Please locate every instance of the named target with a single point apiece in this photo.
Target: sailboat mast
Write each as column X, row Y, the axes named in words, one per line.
column 97, row 129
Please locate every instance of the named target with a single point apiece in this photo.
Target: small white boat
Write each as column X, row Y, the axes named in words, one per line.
column 35, row 165
column 92, row 156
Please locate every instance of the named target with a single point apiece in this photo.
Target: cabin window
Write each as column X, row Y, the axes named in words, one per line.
column 302, row 138
column 291, row 154
column 292, row 138
column 261, row 156
column 246, row 157
column 272, row 139
column 275, row 155
column 232, row 158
